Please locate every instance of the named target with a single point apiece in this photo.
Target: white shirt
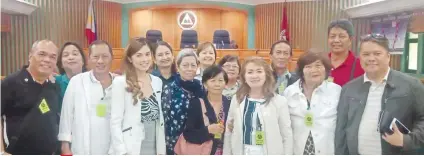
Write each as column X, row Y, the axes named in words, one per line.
column 323, row 108
column 369, row 139
column 199, row 74
column 79, row 122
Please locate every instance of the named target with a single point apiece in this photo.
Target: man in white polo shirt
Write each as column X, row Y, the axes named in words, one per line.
column 360, row 129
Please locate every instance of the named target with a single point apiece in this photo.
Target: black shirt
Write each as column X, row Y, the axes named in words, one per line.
column 31, row 111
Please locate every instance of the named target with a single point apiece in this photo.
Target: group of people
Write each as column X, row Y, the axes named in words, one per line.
column 334, row 103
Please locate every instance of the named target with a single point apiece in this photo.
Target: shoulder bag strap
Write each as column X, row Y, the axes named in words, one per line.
column 14, row 139
column 352, row 71
column 205, row 118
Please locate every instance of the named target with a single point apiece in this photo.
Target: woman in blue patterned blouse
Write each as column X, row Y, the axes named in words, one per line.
column 177, row 95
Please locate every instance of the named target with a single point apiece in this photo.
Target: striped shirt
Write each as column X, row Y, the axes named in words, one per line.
column 369, row 139
column 250, row 116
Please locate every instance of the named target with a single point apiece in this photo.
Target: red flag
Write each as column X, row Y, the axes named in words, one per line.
column 90, row 28
column 284, row 28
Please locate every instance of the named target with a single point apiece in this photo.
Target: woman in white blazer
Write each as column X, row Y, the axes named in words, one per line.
column 313, row 106
column 85, row 112
column 258, row 120
column 136, row 114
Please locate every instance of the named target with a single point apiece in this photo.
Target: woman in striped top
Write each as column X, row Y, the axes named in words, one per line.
column 137, row 121
column 258, row 121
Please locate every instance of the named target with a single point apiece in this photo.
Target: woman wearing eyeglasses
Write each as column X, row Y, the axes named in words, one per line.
column 258, row 120
column 231, row 66
column 177, row 95
column 313, row 103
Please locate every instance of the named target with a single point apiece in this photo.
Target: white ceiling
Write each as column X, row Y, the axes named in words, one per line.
column 249, row 2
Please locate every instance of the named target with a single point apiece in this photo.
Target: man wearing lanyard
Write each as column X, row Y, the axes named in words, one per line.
column 345, row 65
column 29, row 103
column 280, row 55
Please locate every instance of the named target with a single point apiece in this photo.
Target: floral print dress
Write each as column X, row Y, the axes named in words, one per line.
column 175, row 102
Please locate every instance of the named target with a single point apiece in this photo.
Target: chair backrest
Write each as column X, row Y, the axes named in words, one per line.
column 154, row 36
column 221, row 38
column 189, row 39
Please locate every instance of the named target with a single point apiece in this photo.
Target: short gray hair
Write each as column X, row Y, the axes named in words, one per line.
column 186, row 53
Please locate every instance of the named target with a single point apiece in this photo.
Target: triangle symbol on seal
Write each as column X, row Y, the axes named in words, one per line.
column 187, row 20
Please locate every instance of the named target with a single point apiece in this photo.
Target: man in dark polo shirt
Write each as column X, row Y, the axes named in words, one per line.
column 29, row 104
column 345, row 65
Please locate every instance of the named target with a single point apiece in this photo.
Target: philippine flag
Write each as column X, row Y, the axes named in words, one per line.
column 90, row 28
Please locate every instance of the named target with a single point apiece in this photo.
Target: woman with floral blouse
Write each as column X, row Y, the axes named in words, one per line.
column 177, row 96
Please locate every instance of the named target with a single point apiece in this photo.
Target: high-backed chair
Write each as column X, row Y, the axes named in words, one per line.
column 154, row 36
column 221, row 38
column 189, row 39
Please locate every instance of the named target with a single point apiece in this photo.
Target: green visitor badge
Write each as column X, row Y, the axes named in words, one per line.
column 260, row 137
column 101, row 110
column 330, row 79
column 218, row 136
column 44, row 107
column 281, row 88
column 309, row 119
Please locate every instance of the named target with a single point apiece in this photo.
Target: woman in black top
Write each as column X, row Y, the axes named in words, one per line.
column 214, row 80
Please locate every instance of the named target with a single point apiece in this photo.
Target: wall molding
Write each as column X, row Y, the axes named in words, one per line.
column 250, row 9
column 382, row 7
column 17, row 7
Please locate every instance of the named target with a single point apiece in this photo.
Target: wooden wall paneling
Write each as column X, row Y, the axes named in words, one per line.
column 308, row 21
column 176, row 42
column 233, row 21
column 258, row 25
column 395, row 62
column 5, row 22
column 245, row 35
column 140, row 22
column 417, row 22
column 59, row 21
column 178, row 31
column 209, row 21
column 164, row 20
column 108, row 16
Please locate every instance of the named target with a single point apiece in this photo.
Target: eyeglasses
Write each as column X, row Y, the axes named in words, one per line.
column 379, row 37
column 230, row 66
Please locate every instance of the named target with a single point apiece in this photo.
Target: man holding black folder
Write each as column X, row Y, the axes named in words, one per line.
column 381, row 112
